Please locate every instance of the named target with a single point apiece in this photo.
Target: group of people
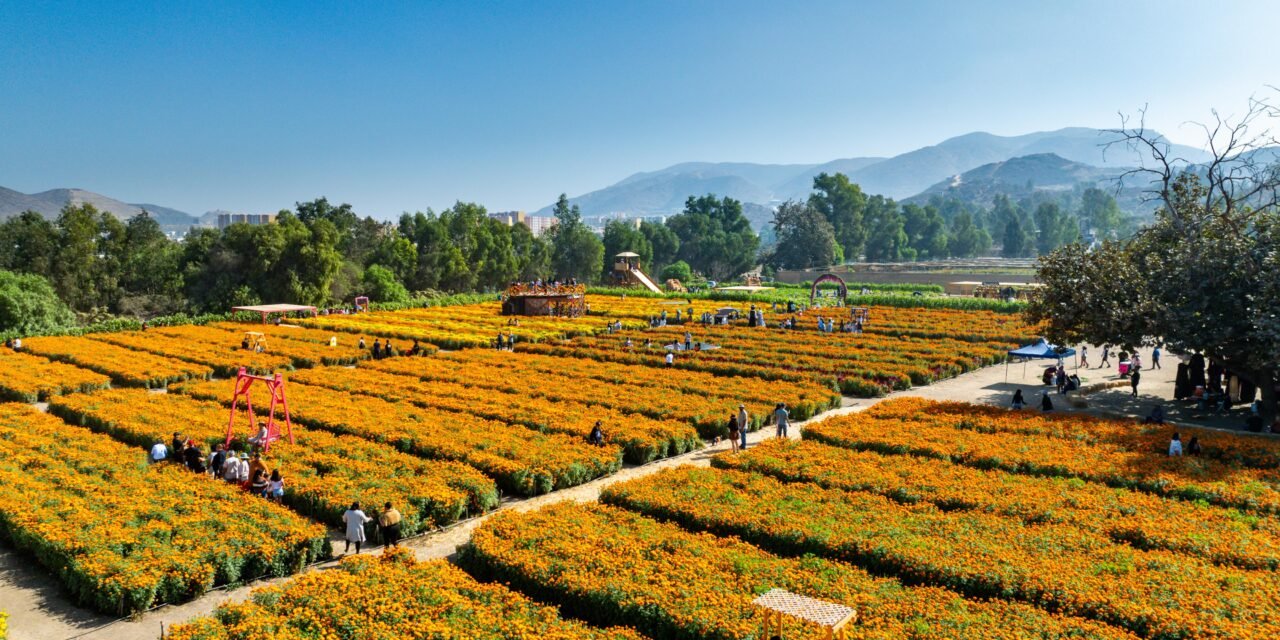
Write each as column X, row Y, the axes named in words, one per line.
column 1175, row 446
column 223, row 463
column 13, row 343
column 547, row 287
column 355, row 519
column 381, row 350
column 505, row 342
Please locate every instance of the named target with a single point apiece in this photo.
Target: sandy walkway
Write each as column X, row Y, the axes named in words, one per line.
column 40, row 610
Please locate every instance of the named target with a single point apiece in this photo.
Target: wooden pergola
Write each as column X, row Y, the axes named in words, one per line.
column 778, row 604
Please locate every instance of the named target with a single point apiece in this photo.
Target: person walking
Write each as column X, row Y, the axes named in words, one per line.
column 1134, row 377
column 355, row 520
column 782, row 418
column 1084, row 356
column 1155, row 357
column 1106, row 356
column 744, row 422
column 735, row 433
column 389, row 525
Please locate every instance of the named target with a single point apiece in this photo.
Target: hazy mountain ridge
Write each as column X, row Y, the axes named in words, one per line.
column 1020, row 176
column 50, row 203
column 903, row 176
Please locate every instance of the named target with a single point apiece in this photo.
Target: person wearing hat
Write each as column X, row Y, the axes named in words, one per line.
column 744, row 421
column 242, row 475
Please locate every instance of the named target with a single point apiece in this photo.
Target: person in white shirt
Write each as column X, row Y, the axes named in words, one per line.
column 354, row 518
column 242, row 469
column 744, row 419
column 159, row 452
column 1175, row 445
column 671, row 358
column 231, row 468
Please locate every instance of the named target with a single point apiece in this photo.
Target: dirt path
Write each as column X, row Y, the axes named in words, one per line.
column 39, row 609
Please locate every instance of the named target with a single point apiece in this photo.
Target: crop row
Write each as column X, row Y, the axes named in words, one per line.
column 708, row 413
column 611, row 566
column 125, row 366
column 642, row 439
column 1222, row 535
column 522, row 460
column 122, row 535
column 390, row 596
column 976, row 439
column 29, row 378
column 323, row 473
column 1156, row 594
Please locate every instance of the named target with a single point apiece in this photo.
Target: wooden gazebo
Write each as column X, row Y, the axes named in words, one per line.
column 778, row 604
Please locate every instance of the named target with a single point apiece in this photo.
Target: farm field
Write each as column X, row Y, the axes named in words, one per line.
column 932, row 520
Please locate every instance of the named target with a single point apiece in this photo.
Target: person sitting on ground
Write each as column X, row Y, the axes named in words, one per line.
column 1018, row 401
column 231, row 467
column 158, row 452
column 389, row 525
column 257, row 465
column 1193, row 447
column 597, row 435
column 1175, row 445
column 1156, row 416
column 1045, row 403
column 275, row 486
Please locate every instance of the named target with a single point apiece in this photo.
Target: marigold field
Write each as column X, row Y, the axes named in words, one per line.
column 933, row 520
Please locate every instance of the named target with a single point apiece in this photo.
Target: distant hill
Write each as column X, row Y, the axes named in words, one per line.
column 50, row 203
column 902, row 176
column 1019, row 177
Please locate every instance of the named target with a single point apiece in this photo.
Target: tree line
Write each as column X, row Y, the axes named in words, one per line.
column 839, row 223
column 323, row 254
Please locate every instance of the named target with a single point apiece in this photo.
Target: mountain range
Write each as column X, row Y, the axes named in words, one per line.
column 902, row 177
column 973, row 167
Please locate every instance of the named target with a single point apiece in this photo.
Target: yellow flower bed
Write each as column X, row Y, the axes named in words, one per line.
column 391, row 596
column 29, row 378
column 124, row 536
column 323, row 473
column 988, row 437
column 520, row 459
column 610, row 566
column 126, row 366
column 1059, row 567
column 642, row 439
column 302, row 353
column 645, row 390
column 1224, row 536
column 224, row 357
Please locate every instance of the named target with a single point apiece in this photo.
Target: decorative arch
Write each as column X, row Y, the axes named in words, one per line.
column 828, row 277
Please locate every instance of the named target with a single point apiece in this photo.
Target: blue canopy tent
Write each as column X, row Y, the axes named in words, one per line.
column 1041, row 349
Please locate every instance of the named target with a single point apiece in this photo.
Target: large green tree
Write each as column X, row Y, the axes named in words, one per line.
column 28, row 304
column 715, row 238
column 843, row 204
column 1054, row 227
column 926, row 231
column 887, row 239
column 1200, row 278
column 967, row 239
column 1100, row 212
column 577, row 252
column 805, row 238
column 28, row 243
column 621, row 236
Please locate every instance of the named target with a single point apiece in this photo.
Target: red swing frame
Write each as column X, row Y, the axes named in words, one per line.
column 275, row 386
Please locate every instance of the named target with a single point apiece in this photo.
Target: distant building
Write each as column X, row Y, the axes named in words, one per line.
column 536, row 224
column 227, row 219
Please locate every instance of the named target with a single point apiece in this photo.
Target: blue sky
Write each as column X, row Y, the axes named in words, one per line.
column 392, row 107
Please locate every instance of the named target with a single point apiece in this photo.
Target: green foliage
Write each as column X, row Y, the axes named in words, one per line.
column 926, row 231
column 664, row 243
column 381, row 285
column 887, row 239
column 843, row 204
column 805, row 238
column 967, row 239
column 576, row 251
column 715, row 238
column 1054, row 228
column 1099, row 211
column 28, row 243
column 678, row 270
column 28, row 304
column 620, row 236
